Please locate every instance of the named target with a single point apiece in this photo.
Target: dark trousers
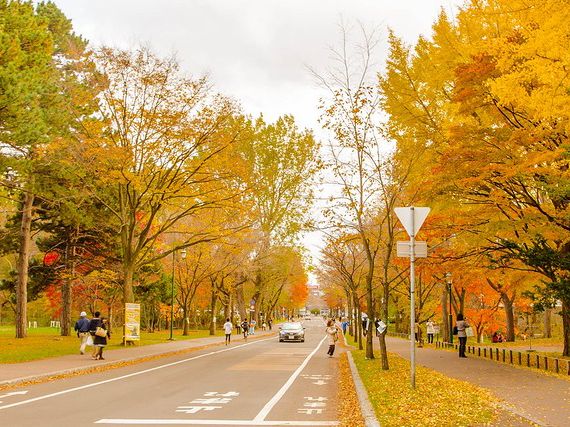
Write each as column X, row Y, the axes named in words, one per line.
column 228, row 338
column 462, row 345
column 430, row 338
column 331, row 350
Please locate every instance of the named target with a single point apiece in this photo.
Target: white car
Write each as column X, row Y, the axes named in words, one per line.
column 291, row 331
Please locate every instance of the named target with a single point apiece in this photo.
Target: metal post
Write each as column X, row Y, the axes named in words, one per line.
column 412, row 304
column 172, row 295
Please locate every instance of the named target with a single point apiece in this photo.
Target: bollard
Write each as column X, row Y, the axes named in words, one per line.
column 537, row 361
column 545, row 363
column 556, row 366
column 497, row 354
column 479, row 352
column 528, row 360
column 485, row 352
column 504, row 355
column 520, row 358
column 511, row 357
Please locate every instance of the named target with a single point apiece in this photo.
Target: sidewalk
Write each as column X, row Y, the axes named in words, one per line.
column 12, row 374
column 540, row 398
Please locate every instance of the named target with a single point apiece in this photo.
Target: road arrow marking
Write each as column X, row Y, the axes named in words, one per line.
column 13, row 393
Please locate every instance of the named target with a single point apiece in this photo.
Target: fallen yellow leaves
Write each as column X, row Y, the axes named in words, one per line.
column 437, row 400
column 348, row 408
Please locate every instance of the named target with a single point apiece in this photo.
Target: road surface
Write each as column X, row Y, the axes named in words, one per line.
column 256, row 383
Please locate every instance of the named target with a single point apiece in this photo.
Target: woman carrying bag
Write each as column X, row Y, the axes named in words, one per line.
column 332, row 334
column 100, row 338
column 461, row 327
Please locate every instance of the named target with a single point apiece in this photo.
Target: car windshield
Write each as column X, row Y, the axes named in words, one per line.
column 291, row 326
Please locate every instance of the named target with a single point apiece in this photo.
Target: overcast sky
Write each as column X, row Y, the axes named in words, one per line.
column 256, row 51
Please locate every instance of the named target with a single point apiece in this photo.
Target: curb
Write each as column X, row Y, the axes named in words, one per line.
column 366, row 408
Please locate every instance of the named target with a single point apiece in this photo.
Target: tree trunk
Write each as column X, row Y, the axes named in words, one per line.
column 22, row 266
column 566, row 326
column 510, row 317
column 66, row 308
column 349, row 314
column 241, row 302
column 382, row 336
column 128, row 294
column 213, row 300
column 444, row 315
column 186, row 322
column 548, row 323
column 66, row 293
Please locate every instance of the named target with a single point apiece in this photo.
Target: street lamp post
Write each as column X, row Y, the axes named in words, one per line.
column 182, row 256
column 448, row 276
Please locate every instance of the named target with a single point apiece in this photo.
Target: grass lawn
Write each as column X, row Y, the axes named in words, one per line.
column 437, row 400
column 46, row 342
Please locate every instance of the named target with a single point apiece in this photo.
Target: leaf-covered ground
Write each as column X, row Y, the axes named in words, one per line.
column 348, row 408
column 437, row 400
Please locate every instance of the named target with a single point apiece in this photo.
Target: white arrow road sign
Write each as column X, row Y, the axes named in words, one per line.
column 405, row 217
column 13, row 393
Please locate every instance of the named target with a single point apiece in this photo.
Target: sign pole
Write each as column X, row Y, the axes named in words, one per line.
column 412, row 303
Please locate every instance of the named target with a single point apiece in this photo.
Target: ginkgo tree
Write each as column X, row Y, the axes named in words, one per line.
column 156, row 153
column 483, row 100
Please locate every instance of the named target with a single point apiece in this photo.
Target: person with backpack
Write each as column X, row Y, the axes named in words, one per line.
column 245, row 328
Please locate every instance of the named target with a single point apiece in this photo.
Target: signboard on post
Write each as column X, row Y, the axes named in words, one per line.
column 420, row 250
column 412, row 218
column 132, row 322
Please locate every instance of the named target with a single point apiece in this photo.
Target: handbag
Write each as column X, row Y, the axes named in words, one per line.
column 455, row 331
column 100, row 332
column 89, row 340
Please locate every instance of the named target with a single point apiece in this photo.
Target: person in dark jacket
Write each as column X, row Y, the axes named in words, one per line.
column 82, row 329
column 93, row 324
column 100, row 342
column 461, row 326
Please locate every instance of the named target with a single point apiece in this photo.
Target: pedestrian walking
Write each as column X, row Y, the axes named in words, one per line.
column 461, row 325
column 94, row 323
column 269, row 323
column 430, row 330
column 228, row 330
column 264, row 326
column 332, row 335
column 252, row 326
column 344, row 325
column 82, row 329
column 365, row 323
column 100, row 340
column 245, row 329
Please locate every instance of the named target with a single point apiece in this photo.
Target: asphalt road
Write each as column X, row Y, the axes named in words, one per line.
column 256, row 383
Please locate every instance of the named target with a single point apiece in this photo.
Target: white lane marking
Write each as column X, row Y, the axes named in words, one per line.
column 269, row 405
column 124, row 421
column 12, row 393
column 71, row 390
